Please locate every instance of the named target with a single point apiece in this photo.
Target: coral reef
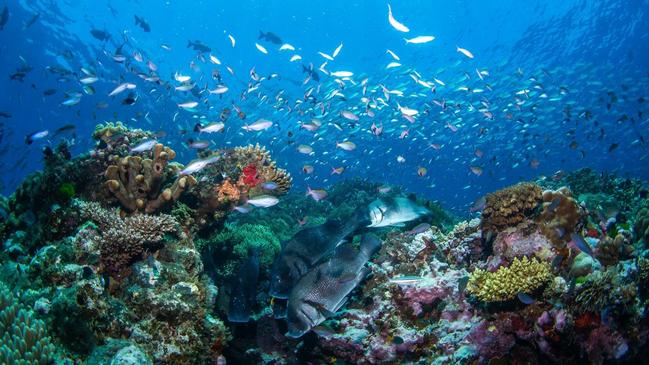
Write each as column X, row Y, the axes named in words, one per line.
column 137, row 182
column 124, row 261
column 510, row 206
column 522, row 276
column 24, row 338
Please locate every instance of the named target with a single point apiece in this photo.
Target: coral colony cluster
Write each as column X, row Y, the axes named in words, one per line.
column 123, row 256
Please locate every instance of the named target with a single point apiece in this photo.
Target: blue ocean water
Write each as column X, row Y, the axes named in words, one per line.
column 563, row 83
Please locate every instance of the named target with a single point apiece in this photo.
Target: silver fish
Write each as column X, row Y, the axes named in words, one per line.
column 394, row 212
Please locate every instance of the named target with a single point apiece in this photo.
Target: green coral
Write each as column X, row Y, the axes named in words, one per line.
column 245, row 236
column 24, row 339
column 522, row 276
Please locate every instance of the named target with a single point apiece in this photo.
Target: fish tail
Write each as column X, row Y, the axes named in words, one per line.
column 197, row 127
column 261, row 35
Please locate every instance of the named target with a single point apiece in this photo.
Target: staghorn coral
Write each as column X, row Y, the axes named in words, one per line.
column 510, row 206
column 23, row 338
column 522, row 276
column 124, row 240
column 137, row 182
column 641, row 226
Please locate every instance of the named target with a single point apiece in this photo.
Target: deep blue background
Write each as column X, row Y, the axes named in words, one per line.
column 591, row 47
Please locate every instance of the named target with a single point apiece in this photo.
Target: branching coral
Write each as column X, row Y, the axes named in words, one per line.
column 137, row 182
column 561, row 215
column 24, row 339
column 522, row 276
column 124, row 240
column 510, row 206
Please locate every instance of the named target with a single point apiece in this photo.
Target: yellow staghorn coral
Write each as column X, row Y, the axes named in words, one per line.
column 522, row 276
column 560, row 216
column 510, row 206
column 136, row 182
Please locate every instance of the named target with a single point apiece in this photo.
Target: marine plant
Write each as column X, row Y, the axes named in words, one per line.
column 522, row 276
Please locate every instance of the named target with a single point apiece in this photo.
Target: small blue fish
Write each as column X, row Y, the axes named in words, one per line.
column 269, row 185
column 581, row 244
column 525, row 298
column 30, row 138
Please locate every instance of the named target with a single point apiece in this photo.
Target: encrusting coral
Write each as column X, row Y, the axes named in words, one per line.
column 522, row 276
column 510, row 206
column 137, row 182
column 23, row 338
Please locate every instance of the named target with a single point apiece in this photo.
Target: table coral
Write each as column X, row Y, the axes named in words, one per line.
column 522, row 276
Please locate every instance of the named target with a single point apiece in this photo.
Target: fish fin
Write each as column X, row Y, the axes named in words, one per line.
column 370, row 244
column 398, row 225
column 347, row 278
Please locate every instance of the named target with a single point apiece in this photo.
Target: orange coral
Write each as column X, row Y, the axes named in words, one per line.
column 227, row 192
column 510, row 206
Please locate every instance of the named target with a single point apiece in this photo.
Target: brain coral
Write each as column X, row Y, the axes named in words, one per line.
column 522, row 276
column 510, row 206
